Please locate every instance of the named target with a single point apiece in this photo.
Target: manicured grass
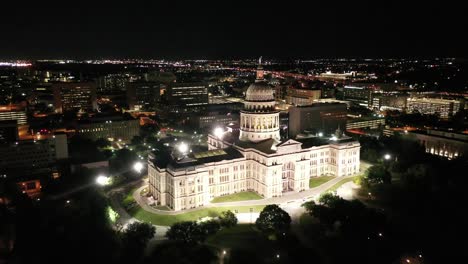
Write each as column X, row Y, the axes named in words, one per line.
column 167, row 220
column 338, row 184
column 242, row 196
column 317, row 181
column 128, row 198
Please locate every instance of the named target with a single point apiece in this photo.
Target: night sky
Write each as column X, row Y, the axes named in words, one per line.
column 231, row 29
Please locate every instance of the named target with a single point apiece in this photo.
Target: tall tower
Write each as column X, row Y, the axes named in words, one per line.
column 259, row 120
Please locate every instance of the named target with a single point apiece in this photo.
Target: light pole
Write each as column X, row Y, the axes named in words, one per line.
column 102, row 180
column 138, row 166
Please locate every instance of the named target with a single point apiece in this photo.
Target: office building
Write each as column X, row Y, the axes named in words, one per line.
column 33, row 154
column 8, row 131
column 383, row 102
column 445, row 108
column 113, row 127
column 72, row 96
column 254, row 159
column 296, row 96
column 359, row 95
column 143, row 95
column 13, row 112
column 441, row 143
column 323, row 118
column 186, row 95
column 365, row 123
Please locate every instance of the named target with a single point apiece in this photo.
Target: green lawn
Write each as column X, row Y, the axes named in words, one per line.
column 317, row 181
column 242, row 196
column 167, row 220
column 338, row 184
column 128, row 198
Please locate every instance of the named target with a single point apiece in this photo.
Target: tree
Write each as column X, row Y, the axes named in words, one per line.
column 210, row 227
column 188, row 232
column 273, row 219
column 378, row 174
column 137, row 140
column 102, row 143
column 228, row 219
column 135, row 238
column 329, row 199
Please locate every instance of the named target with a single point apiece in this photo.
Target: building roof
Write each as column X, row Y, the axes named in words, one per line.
column 197, row 159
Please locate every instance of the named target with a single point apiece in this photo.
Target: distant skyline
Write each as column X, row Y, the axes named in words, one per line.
column 231, row 29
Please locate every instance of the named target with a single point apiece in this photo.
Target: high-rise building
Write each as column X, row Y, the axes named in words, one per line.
column 112, row 83
column 358, row 95
column 296, row 96
column 445, row 108
column 323, row 118
column 182, row 97
column 74, row 96
column 143, row 95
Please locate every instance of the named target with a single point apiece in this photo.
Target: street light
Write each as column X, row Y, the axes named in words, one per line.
column 218, row 132
column 102, row 180
column 387, row 156
column 183, row 147
column 138, row 166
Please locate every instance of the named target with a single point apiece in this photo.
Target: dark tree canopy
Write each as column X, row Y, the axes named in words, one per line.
column 273, row 219
column 228, row 219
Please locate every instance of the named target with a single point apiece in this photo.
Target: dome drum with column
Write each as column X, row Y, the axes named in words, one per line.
column 259, row 120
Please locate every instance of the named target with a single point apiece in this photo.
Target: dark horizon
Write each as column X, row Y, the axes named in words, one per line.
column 232, row 30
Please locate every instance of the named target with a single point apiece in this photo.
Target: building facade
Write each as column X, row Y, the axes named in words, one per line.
column 33, row 154
column 143, row 95
column 255, row 159
column 109, row 127
column 441, row 143
column 13, row 112
column 318, row 117
column 70, row 96
column 365, row 123
column 445, row 108
column 297, row 96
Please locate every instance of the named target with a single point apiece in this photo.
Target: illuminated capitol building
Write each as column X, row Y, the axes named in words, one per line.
column 252, row 159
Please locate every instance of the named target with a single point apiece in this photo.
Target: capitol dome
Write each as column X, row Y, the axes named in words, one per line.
column 259, row 91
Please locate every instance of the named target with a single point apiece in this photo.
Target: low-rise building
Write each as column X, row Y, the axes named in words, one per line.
column 445, row 108
column 365, row 123
column 115, row 127
column 441, row 143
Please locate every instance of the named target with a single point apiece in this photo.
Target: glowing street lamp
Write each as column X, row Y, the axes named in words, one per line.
column 102, row 180
column 387, row 156
column 218, row 132
column 138, row 166
column 320, row 134
column 183, row 148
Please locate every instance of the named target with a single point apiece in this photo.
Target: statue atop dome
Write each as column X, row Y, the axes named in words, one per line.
column 259, row 70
